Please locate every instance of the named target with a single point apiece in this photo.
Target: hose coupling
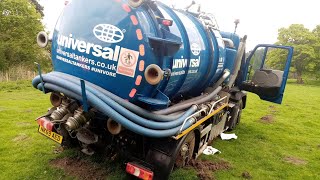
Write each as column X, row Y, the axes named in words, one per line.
column 64, row 109
column 78, row 119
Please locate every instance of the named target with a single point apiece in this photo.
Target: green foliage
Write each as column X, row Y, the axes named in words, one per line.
column 306, row 45
column 38, row 6
column 20, row 23
column 316, row 32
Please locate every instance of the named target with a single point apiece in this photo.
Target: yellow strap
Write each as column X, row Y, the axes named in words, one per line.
column 199, row 122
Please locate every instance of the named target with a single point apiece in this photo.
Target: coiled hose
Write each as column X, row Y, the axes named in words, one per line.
column 101, row 106
column 149, row 123
column 128, row 105
column 196, row 100
column 70, row 86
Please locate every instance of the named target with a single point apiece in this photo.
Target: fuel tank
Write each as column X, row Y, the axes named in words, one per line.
column 148, row 54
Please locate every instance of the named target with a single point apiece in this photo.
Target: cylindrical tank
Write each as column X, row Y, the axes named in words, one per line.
column 149, row 54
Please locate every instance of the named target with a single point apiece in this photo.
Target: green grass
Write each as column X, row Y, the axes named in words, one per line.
column 262, row 148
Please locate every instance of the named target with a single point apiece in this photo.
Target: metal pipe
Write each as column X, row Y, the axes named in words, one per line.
column 113, row 127
column 237, row 66
column 215, row 103
column 226, row 74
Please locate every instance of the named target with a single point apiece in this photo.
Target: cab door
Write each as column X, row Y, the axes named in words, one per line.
column 266, row 71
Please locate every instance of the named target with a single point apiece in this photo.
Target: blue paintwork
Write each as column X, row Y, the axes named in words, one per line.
column 234, row 37
column 200, row 70
column 220, row 54
column 231, row 53
column 279, row 97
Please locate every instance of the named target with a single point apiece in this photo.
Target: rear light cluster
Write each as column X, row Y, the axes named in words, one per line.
column 46, row 123
column 139, row 172
column 167, row 22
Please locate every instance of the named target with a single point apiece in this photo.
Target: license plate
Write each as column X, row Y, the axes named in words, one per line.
column 52, row 135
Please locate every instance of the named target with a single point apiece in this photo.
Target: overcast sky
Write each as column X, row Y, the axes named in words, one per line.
column 260, row 20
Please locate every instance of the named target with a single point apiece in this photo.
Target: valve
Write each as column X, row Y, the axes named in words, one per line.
column 63, row 109
column 79, row 119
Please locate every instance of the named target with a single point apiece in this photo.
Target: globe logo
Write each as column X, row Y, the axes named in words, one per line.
column 195, row 49
column 108, row 33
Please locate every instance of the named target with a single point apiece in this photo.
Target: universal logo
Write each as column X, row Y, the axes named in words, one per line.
column 108, row 33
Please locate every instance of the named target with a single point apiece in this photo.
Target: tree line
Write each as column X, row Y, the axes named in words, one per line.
column 306, row 57
column 20, row 22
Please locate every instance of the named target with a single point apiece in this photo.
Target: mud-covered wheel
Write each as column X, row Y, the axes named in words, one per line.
column 135, row 3
column 235, row 114
column 185, row 153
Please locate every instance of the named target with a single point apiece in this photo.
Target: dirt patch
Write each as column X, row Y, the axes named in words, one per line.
column 295, row 161
column 20, row 137
column 246, row 175
column 205, row 168
column 81, row 169
column 267, row 119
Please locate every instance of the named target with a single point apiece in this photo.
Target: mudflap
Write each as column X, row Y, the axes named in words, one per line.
column 162, row 156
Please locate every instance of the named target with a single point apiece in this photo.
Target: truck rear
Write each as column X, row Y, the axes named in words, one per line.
column 156, row 84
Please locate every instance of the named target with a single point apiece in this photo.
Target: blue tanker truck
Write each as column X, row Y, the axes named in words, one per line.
column 153, row 83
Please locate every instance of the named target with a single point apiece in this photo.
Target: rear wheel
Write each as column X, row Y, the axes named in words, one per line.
column 235, row 116
column 185, row 153
column 166, row 154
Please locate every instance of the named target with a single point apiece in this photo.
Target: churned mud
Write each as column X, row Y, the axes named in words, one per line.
column 269, row 118
column 206, row 168
column 80, row 169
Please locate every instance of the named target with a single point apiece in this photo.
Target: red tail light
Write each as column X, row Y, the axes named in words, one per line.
column 167, row 22
column 139, row 172
column 46, row 123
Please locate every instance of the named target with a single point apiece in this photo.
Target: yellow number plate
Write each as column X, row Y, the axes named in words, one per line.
column 52, row 135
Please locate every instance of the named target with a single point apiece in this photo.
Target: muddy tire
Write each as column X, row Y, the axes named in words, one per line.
column 185, row 153
column 235, row 114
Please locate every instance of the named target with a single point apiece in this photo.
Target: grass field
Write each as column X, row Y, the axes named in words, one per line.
column 274, row 142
